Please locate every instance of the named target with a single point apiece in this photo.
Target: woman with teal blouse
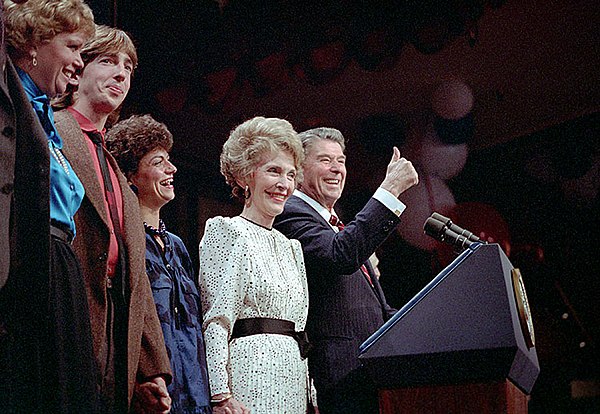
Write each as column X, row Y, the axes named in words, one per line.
column 44, row 38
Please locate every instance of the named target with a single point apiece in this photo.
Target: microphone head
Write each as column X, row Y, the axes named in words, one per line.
column 434, row 228
column 439, row 217
column 456, row 229
column 442, row 232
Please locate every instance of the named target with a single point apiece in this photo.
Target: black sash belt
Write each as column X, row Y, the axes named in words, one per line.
column 61, row 232
column 254, row 326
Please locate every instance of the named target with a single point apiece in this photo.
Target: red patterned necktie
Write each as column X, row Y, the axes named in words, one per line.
column 338, row 223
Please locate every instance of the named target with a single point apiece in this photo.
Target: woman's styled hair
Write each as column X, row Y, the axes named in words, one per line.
column 36, row 22
column 132, row 138
column 106, row 41
column 250, row 142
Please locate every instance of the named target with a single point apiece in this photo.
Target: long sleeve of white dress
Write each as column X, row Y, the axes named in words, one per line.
column 222, row 285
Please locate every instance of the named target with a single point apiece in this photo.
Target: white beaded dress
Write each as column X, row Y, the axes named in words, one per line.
column 249, row 271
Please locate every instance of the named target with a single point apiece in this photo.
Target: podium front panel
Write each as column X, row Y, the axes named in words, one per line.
column 462, row 327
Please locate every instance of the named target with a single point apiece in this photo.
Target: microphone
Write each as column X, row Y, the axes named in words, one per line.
column 440, row 231
column 456, row 229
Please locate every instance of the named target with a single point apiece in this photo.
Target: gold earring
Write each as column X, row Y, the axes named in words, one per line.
column 247, row 192
column 34, row 61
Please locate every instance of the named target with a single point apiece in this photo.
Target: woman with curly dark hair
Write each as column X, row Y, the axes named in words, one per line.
column 141, row 146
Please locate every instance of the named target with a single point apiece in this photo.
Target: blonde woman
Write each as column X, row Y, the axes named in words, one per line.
column 44, row 40
column 253, row 281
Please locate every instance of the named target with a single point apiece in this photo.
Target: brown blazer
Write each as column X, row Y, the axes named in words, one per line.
column 147, row 353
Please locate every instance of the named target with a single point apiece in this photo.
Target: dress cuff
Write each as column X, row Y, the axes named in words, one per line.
column 387, row 199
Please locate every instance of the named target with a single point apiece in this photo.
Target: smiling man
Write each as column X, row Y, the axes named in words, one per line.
column 346, row 301
column 128, row 341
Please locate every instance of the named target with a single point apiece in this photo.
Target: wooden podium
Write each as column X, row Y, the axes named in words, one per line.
column 499, row 397
column 464, row 344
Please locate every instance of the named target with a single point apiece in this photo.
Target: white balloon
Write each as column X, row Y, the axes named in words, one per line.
column 453, row 99
column 431, row 194
column 442, row 160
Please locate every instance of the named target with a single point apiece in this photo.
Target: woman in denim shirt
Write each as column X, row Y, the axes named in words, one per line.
column 141, row 146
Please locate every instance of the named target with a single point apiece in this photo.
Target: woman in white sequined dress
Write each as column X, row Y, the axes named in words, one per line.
column 253, row 278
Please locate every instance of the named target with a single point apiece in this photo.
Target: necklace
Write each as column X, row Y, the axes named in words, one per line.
column 161, row 231
column 58, row 156
column 255, row 223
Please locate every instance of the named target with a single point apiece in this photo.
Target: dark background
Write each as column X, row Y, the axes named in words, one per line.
column 533, row 157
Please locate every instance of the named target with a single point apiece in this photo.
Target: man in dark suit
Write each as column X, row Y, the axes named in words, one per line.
column 346, row 301
column 24, row 246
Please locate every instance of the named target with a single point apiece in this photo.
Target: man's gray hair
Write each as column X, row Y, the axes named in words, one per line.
column 309, row 137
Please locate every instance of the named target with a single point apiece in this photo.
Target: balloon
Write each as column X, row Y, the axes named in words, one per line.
column 452, row 99
column 439, row 159
column 431, row 194
column 455, row 131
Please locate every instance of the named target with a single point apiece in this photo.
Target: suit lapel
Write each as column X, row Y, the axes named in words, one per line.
column 78, row 154
column 307, row 207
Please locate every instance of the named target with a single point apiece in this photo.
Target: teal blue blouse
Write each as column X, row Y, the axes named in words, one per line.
column 66, row 191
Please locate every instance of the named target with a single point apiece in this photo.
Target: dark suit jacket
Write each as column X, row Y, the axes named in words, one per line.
column 24, row 179
column 25, row 248
column 147, row 353
column 344, row 309
column 8, row 151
